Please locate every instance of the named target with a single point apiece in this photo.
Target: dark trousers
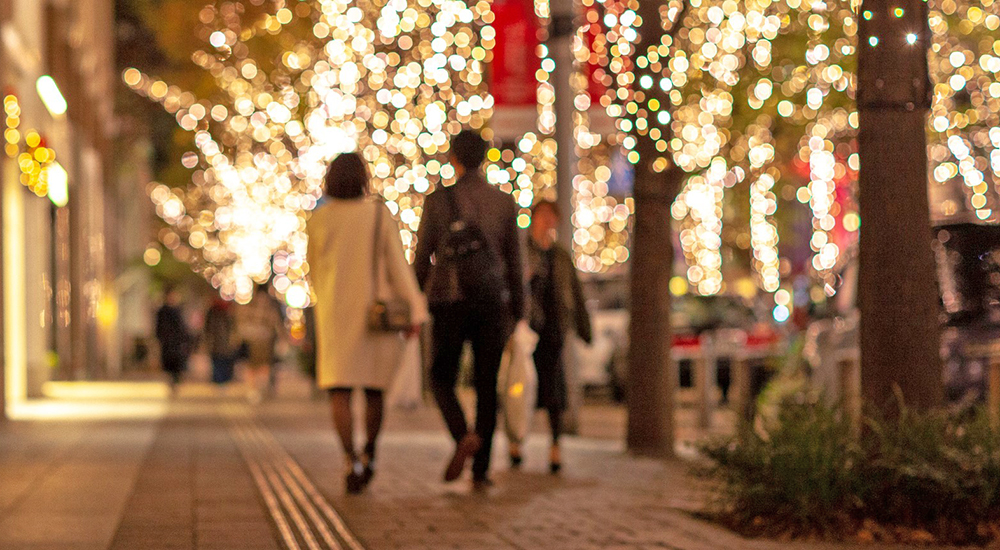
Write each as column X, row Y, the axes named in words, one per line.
column 488, row 331
column 174, row 364
column 223, row 366
column 551, row 378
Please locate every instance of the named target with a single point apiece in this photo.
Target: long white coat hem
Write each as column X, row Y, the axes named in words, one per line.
column 340, row 255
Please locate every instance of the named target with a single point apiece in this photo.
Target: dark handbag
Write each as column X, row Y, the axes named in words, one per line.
column 391, row 315
column 480, row 272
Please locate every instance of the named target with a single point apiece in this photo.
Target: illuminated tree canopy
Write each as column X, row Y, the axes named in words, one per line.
column 757, row 110
column 761, row 114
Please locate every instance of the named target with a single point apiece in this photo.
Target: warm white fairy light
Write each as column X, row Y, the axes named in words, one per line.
column 965, row 114
column 726, row 90
column 763, row 205
column 394, row 81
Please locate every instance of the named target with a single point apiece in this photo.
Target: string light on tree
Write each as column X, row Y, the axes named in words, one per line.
column 298, row 84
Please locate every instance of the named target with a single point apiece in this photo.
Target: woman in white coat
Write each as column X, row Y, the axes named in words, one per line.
column 349, row 271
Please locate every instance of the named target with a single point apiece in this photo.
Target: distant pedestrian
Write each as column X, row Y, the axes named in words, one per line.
column 357, row 269
column 259, row 324
column 173, row 335
column 221, row 340
column 468, row 260
column 557, row 307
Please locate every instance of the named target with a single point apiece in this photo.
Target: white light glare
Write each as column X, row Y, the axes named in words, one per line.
column 58, row 180
column 53, row 99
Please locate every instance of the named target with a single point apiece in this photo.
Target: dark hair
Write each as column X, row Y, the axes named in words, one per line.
column 347, row 177
column 469, row 149
column 551, row 205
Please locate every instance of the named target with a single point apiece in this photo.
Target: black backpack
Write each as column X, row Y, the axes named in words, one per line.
column 478, row 268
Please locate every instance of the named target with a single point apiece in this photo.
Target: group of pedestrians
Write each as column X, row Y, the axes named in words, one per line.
column 232, row 334
column 467, row 279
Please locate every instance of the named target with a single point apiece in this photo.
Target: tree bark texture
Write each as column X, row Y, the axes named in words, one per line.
column 651, row 374
column 897, row 294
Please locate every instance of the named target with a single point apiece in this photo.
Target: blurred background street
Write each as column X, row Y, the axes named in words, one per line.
column 713, row 162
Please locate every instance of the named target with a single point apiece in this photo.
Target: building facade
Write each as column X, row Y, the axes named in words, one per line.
column 58, row 202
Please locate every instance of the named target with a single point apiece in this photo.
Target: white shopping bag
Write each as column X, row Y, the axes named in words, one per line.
column 518, row 382
column 406, row 389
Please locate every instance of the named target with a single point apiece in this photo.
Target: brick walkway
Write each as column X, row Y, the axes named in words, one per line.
column 211, row 475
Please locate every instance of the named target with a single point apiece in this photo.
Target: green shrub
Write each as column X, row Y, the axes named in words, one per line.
column 796, row 474
column 804, row 474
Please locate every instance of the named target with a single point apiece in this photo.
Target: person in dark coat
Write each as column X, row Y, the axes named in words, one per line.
column 173, row 335
column 220, row 340
column 485, row 319
column 557, row 306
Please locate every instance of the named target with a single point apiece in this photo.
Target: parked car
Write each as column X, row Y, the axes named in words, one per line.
column 603, row 364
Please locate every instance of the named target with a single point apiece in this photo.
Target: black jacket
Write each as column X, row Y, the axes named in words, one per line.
column 172, row 332
column 570, row 307
column 496, row 214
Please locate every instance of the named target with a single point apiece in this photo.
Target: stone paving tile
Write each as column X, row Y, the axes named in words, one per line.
column 38, row 527
column 605, row 499
column 186, row 487
column 65, row 484
column 194, row 491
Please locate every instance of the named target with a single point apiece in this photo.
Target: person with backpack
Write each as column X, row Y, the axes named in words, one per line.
column 468, row 262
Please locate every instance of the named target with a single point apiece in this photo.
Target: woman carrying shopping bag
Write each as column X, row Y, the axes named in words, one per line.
column 367, row 304
column 557, row 306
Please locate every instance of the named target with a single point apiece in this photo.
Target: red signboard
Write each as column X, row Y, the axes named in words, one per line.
column 595, row 69
column 515, row 59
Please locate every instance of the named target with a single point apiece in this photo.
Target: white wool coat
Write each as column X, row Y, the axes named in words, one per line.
column 340, row 254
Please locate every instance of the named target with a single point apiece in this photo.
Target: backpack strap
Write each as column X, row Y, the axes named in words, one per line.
column 456, row 211
column 456, row 208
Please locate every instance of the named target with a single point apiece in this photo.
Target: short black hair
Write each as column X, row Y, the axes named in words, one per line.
column 347, row 177
column 469, row 149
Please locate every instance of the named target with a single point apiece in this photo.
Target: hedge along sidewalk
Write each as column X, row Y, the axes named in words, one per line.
column 924, row 477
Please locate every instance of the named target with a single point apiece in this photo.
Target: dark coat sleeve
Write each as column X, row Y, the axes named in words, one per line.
column 582, row 321
column 162, row 330
column 428, row 236
column 512, row 252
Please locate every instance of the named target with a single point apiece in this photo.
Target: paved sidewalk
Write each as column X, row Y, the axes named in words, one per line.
column 64, row 485
column 212, row 473
column 604, row 499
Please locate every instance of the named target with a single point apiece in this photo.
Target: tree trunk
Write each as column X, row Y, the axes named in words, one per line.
column 897, row 291
column 651, row 376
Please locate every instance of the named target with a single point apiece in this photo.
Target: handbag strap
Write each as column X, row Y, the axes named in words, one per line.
column 376, row 248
